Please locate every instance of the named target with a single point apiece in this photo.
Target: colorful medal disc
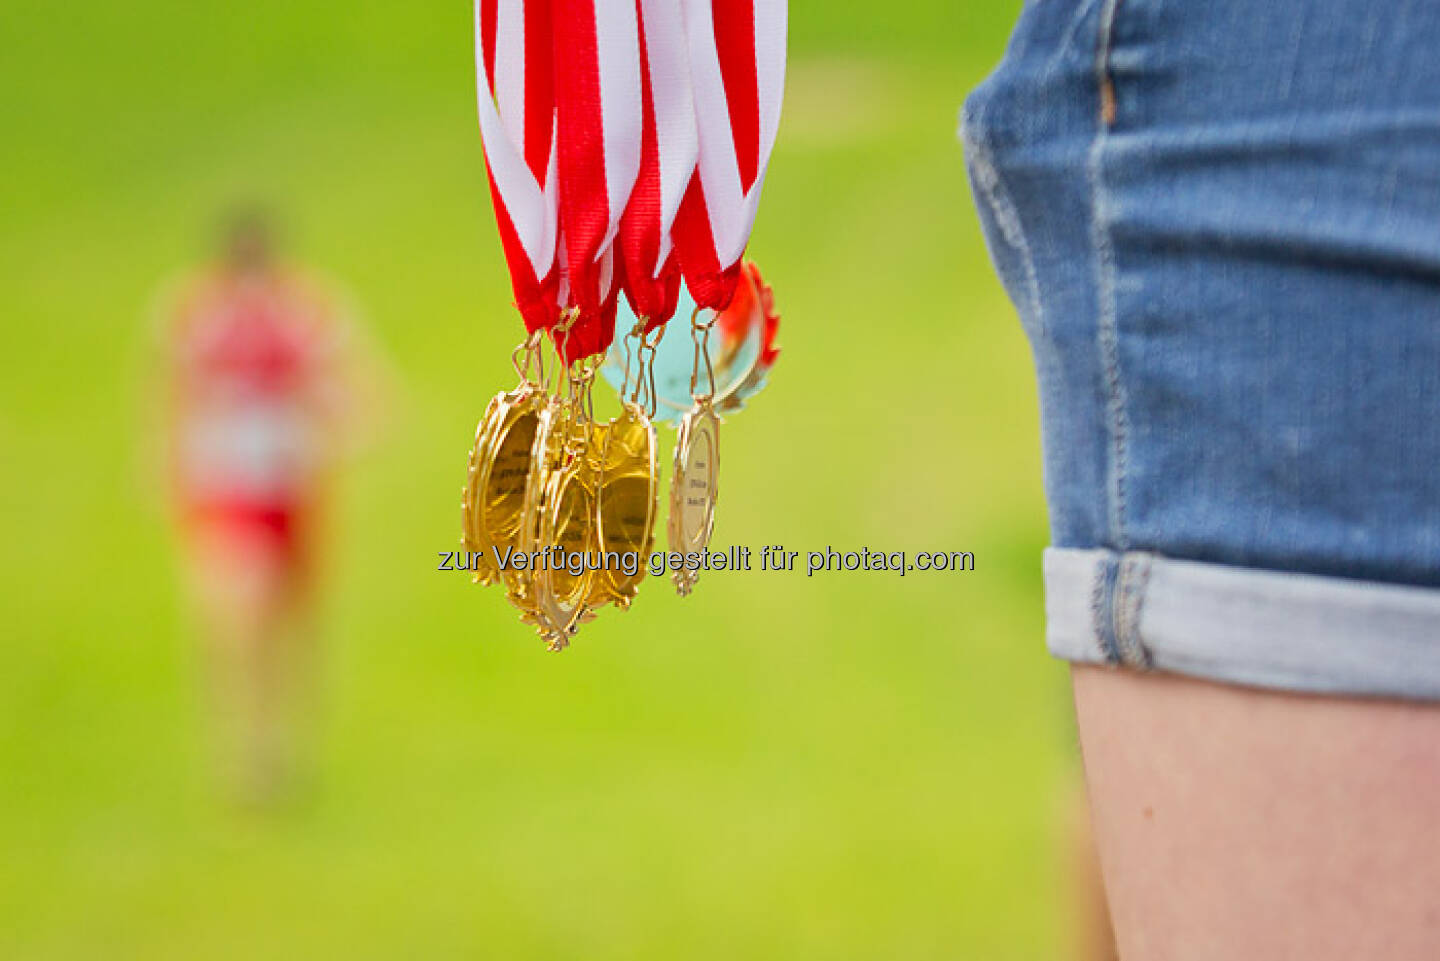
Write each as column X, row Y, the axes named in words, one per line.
column 736, row 346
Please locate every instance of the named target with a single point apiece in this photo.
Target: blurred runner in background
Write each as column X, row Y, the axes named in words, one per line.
column 260, row 393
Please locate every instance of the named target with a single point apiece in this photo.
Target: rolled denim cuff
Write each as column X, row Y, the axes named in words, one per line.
column 1264, row 628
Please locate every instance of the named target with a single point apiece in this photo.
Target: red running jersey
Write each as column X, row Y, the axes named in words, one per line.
column 252, row 369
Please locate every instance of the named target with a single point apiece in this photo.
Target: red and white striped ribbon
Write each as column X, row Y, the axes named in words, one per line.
column 611, row 129
column 737, row 68
column 599, row 127
column 515, row 76
column 668, row 152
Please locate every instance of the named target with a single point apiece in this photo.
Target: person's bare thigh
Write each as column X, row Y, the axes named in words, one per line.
column 1241, row 824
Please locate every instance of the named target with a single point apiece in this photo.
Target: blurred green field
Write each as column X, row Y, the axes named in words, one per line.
column 849, row 766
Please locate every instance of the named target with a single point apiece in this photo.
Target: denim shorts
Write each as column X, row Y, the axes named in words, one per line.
column 1220, row 225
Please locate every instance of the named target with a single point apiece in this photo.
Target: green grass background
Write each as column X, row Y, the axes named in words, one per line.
column 849, row 766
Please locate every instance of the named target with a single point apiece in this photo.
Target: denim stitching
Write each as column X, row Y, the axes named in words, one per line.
column 1007, row 216
column 1134, row 577
column 1077, row 21
column 1142, row 591
column 1102, row 609
column 1108, row 324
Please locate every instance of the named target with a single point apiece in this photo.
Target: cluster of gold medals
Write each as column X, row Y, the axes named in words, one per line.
column 547, row 480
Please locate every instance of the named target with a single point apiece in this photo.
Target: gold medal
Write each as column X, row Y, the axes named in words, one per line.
column 523, row 586
column 566, row 528
column 557, row 530
column 626, row 504
column 694, row 486
column 472, row 494
column 496, row 498
column 493, row 498
column 695, row 481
